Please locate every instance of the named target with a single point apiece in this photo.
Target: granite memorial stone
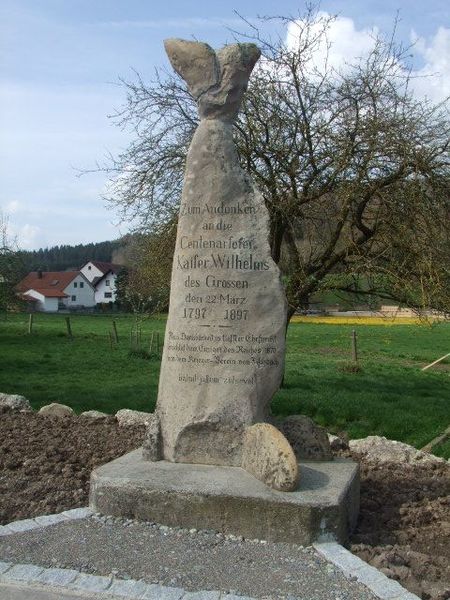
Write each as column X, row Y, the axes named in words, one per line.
column 223, row 355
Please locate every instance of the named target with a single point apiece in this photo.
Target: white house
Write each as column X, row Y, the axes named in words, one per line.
column 51, row 291
column 103, row 277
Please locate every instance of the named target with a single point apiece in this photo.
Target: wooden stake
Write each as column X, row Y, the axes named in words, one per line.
column 157, row 342
column 69, row 328
column 151, row 342
column 30, row 324
column 354, row 347
column 435, row 362
column 437, row 440
column 116, row 336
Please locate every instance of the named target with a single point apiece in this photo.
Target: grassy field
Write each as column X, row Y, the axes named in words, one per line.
column 388, row 396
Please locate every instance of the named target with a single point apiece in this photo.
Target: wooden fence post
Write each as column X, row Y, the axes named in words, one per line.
column 354, row 347
column 116, row 336
column 30, row 324
column 69, row 328
column 151, row 342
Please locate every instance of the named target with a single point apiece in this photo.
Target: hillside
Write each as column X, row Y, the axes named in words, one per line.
column 61, row 258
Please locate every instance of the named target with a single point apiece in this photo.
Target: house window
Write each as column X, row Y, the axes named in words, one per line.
column 81, row 284
column 107, row 282
column 108, row 294
column 75, row 284
column 89, row 267
column 74, row 298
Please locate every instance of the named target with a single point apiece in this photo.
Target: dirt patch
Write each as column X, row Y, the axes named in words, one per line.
column 403, row 528
column 404, row 524
column 46, row 462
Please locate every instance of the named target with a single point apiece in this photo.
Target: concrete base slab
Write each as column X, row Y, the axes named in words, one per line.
column 230, row 500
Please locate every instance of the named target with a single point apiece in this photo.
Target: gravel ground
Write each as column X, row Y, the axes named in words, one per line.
column 188, row 559
column 403, row 527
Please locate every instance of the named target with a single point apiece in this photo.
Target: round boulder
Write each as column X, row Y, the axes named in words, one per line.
column 267, row 455
column 14, row 402
column 125, row 416
column 381, row 450
column 56, row 410
column 308, row 440
column 94, row 414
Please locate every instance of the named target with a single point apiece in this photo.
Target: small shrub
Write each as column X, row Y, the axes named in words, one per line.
column 350, row 367
column 141, row 353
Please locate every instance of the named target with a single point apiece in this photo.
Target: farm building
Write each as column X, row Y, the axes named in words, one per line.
column 102, row 276
column 50, row 291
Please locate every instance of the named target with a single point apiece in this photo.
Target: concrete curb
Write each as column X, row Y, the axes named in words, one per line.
column 353, row 567
column 45, row 521
column 18, row 580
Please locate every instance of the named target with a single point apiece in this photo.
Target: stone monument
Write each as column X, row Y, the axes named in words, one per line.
column 209, row 440
column 223, row 355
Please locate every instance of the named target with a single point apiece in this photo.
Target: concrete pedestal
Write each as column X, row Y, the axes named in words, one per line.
column 228, row 499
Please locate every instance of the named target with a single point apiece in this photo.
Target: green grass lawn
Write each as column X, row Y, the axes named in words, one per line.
column 389, row 396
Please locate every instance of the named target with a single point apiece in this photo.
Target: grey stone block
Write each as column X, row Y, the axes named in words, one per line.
column 339, row 556
column 375, row 580
column 233, row 597
column 25, row 525
column 92, row 583
column 78, row 513
column 25, row 572
column 5, row 530
column 45, row 520
column 4, row 566
column 128, row 589
column 160, row 592
column 229, row 499
column 57, row 576
column 203, row 595
column 386, row 589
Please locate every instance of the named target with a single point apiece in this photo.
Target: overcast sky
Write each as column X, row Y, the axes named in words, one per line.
column 60, row 63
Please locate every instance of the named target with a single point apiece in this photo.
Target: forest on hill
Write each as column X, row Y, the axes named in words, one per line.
column 65, row 257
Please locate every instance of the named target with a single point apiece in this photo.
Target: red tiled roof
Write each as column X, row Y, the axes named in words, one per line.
column 50, row 281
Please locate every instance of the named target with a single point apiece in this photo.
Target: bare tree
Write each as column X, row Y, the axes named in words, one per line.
column 353, row 167
column 145, row 285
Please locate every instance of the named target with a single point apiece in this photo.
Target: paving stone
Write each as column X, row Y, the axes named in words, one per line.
column 233, row 597
column 78, row 513
column 406, row 596
column 4, row 566
column 386, row 589
column 57, row 576
column 22, row 573
column 46, row 520
column 203, row 595
column 160, row 592
column 92, row 583
column 25, row 525
column 375, row 580
column 339, row 556
column 128, row 589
